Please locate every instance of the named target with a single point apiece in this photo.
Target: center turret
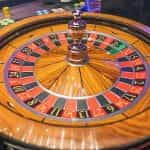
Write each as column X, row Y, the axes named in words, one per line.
column 77, row 51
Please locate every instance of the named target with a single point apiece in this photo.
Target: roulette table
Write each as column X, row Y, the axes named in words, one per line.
column 88, row 95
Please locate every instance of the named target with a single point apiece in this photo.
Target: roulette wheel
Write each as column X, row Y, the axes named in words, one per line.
column 75, row 83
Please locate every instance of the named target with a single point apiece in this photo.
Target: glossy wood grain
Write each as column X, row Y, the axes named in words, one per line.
column 123, row 132
column 72, row 81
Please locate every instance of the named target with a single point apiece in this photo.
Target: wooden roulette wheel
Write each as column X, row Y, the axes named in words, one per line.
column 48, row 102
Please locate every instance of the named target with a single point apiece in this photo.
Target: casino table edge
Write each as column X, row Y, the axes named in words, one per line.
column 143, row 143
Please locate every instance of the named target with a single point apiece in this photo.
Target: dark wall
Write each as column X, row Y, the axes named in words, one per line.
column 4, row 3
column 135, row 9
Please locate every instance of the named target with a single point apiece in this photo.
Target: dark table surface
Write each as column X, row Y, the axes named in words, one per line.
column 29, row 9
column 139, row 12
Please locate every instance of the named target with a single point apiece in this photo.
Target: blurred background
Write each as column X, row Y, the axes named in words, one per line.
column 135, row 9
column 138, row 10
